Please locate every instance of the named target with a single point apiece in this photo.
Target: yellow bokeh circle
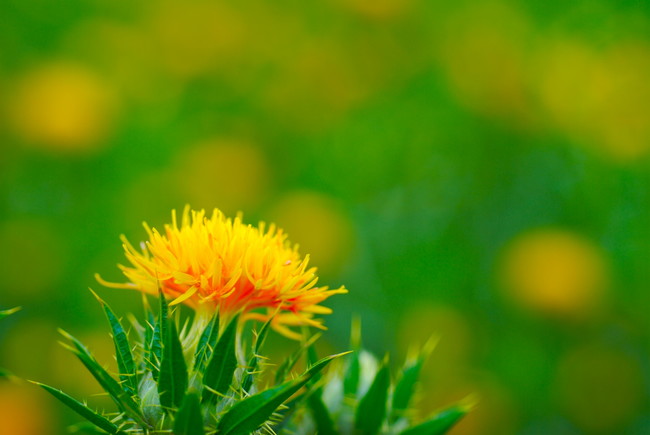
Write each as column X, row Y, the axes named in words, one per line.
column 230, row 174
column 62, row 107
column 318, row 225
column 25, row 410
column 554, row 272
column 599, row 97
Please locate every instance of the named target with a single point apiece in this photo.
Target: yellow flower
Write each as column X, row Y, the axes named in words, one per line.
column 219, row 263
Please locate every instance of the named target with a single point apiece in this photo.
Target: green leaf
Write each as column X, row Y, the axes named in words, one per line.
column 261, row 336
column 322, row 418
column 85, row 427
column 206, row 344
column 222, row 364
column 159, row 334
column 352, row 374
column 405, row 388
column 440, row 423
column 148, row 341
column 312, row 357
column 122, row 399
column 125, row 364
column 5, row 313
column 81, row 409
column 290, row 362
column 251, row 367
column 372, row 407
column 172, row 382
column 353, row 370
column 249, row 414
column 317, row 367
column 189, row 420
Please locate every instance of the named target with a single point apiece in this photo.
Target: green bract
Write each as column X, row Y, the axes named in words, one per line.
column 199, row 379
column 360, row 397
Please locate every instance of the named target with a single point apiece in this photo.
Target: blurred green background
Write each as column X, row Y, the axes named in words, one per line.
column 477, row 170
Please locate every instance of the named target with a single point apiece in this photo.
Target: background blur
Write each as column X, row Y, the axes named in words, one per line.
column 477, row 170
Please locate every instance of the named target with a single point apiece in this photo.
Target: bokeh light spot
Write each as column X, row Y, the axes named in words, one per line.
column 195, row 36
column 599, row 97
column 599, row 388
column 25, row 410
column 485, row 63
column 318, row 225
column 62, row 107
column 232, row 175
column 554, row 272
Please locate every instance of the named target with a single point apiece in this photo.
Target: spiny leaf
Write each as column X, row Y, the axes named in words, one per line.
column 148, row 341
column 251, row 368
column 159, row 334
column 87, row 428
column 81, row 409
column 352, row 374
column 5, row 313
column 317, row 367
column 122, row 399
column 249, row 414
column 405, row 388
column 353, row 371
column 312, row 356
column 261, row 336
column 222, row 364
column 322, row 418
column 172, row 382
column 125, row 364
column 440, row 423
column 372, row 407
column 206, row 344
column 290, row 362
column 189, row 420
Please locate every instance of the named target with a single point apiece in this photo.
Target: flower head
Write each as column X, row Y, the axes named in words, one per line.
column 220, row 263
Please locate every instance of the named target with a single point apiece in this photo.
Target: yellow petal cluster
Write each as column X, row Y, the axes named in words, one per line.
column 220, row 263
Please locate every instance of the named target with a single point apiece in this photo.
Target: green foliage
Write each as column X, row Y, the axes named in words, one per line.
column 194, row 383
column 440, row 423
column 372, row 407
column 189, row 420
column 360, row 398
column 92, row 416
column 250, row 413
column 125, row 364
column 405, row 388
column 172, row 382
column 206, row 344
column 223, row 362
column 5, row 313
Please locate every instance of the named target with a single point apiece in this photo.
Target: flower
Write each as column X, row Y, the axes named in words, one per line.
column 220, row 263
